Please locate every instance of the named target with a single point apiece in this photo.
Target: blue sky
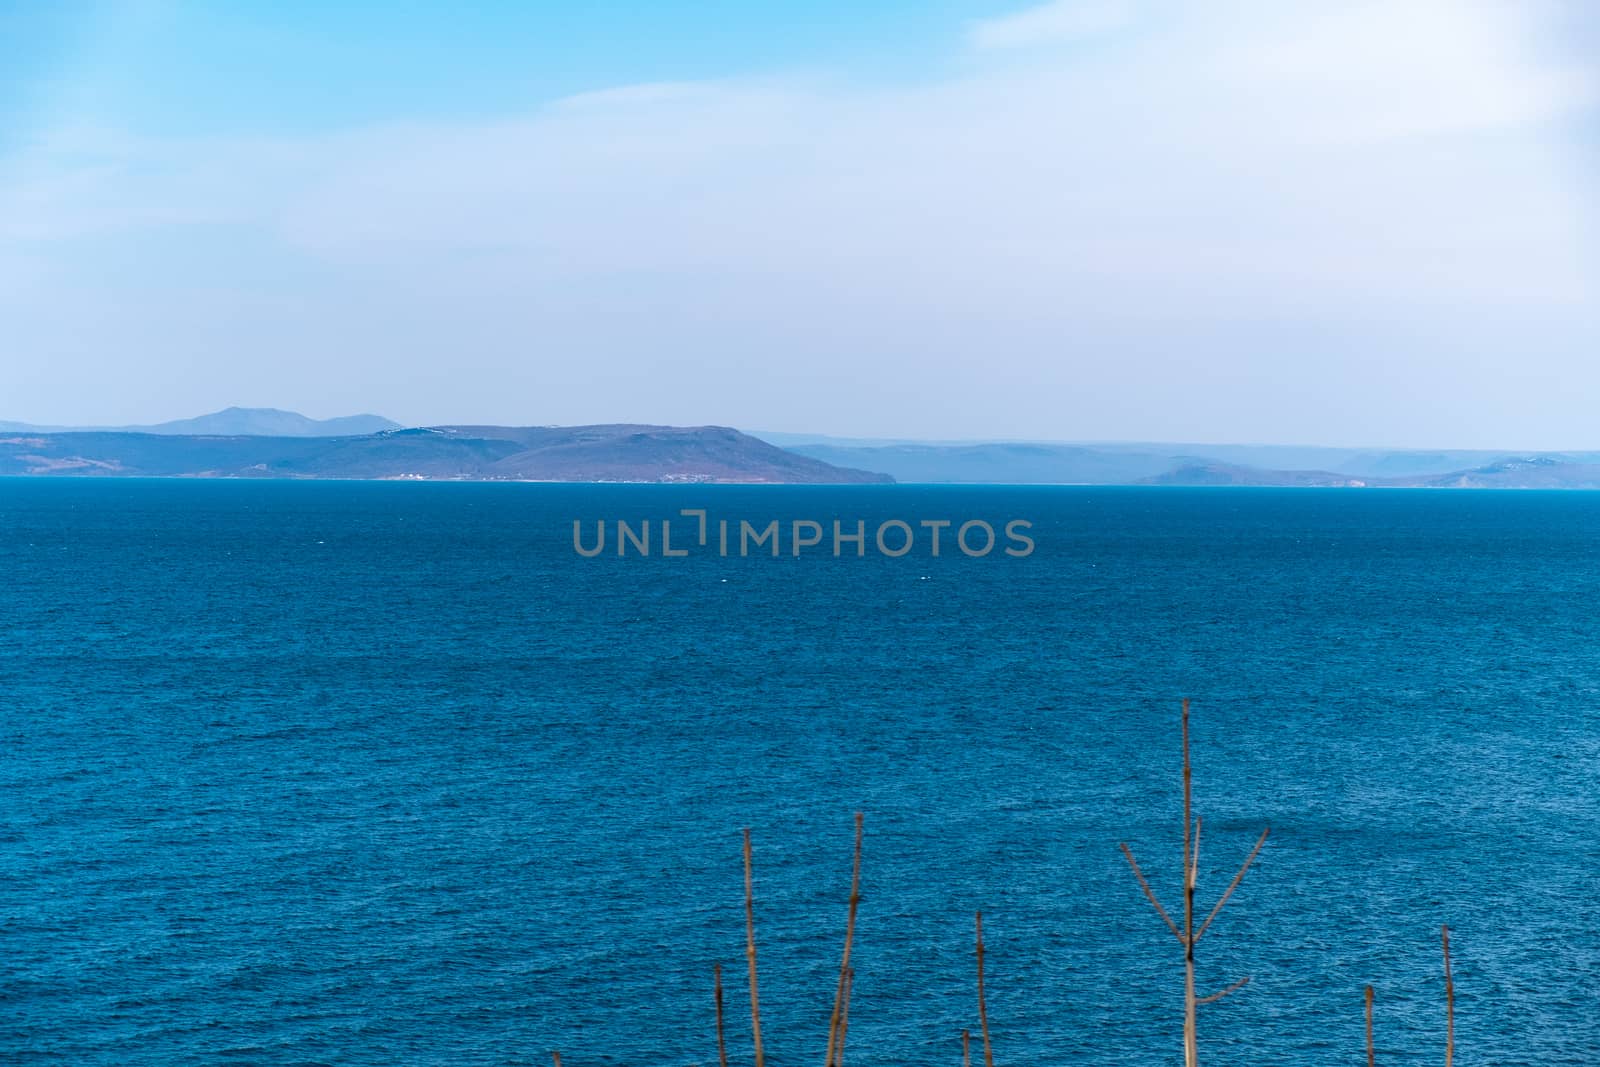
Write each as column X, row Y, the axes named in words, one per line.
column 185, row 68
column 1345, row 223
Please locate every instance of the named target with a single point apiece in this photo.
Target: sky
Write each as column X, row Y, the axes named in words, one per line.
column 1345, row 222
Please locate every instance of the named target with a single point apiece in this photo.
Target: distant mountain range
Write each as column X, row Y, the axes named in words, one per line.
column 1036, row 463
column 465, row 453
column 233, row 422
column 266, row 442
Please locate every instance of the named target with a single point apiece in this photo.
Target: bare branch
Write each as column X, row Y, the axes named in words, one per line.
column 1137, row 873
column 1449, row 1002
column 1191, row 1050
column 841, row 1004
column 1213, row 998
column 1371, row 1056
column 1194, row 860
column 966, row 1048
column 844, row 1017
column 750, row 952
column 722, row 1045
column 1235, row 883
column 983, row 1011
column 1188, row 788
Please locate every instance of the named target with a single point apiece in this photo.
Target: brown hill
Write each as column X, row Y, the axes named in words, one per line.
column 621, row 453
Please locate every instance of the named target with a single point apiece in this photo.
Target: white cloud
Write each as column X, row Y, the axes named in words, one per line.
column 1053, row 23
column 1381, row 70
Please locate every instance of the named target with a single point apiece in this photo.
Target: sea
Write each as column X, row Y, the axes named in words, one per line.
column 393, row 773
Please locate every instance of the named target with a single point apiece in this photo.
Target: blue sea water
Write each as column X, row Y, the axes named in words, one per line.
column 344, row 773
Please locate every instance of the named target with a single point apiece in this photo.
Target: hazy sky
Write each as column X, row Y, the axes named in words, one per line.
column 1218, row 220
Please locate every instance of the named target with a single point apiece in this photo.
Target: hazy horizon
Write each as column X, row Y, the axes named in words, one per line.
column 794, row 436
column 1081, row 220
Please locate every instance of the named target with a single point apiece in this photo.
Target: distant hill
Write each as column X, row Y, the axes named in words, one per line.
column 1228, row 474
column 620, row 453
column 1090, row 463
column 1532, row 472
column 265, row 442
column 235, row 422
column 1019, row 463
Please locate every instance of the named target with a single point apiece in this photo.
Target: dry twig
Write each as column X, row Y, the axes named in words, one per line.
column 1188, row 936
column 841, row 997
column 750, row 953
column 1449, row 1002
column 722, row 1045
column 1371, row 1056
column 844, row 1017
column 983, row 1010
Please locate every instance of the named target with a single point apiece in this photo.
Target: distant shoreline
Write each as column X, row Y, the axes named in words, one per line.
column 650, row 454
column 725, row 484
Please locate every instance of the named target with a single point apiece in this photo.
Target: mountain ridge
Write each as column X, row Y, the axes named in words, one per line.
column 268, row 442
column 233, row 422
column 598, row 453
column 1052, row 463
